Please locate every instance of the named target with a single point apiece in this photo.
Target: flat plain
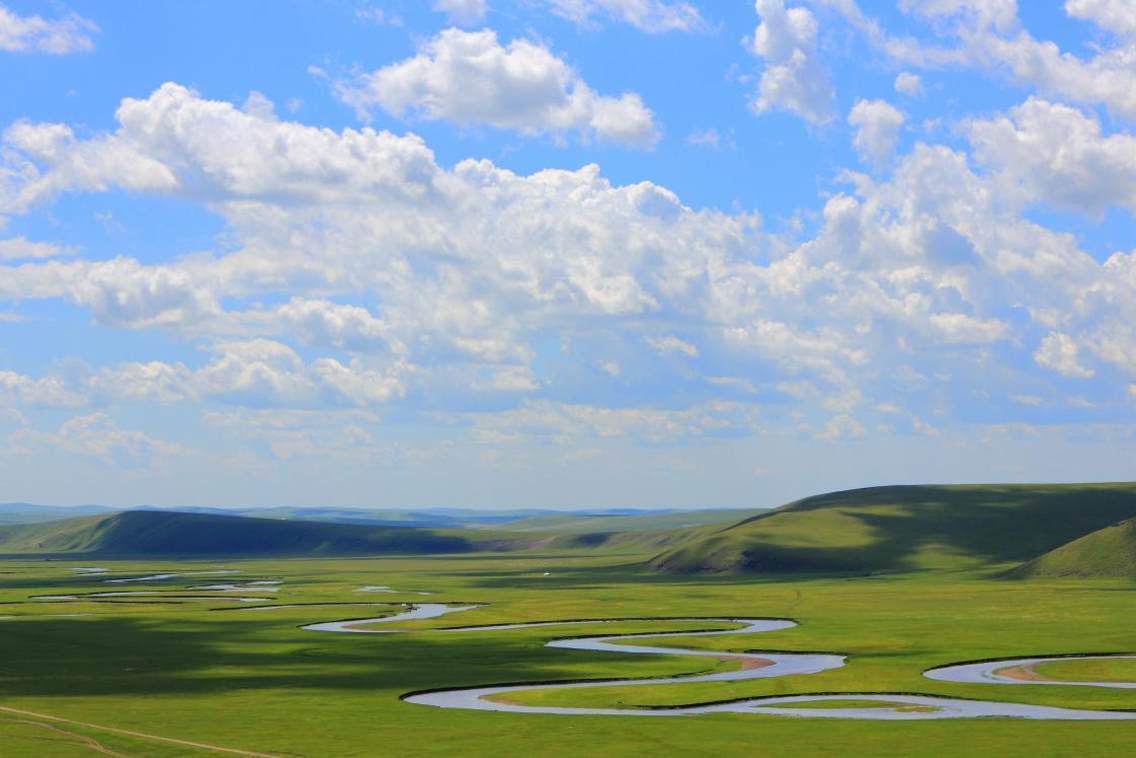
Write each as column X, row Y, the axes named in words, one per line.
column 193, row 664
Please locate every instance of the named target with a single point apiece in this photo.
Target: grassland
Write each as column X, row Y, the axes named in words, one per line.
column 1072, row 670
column 206, row 672
column 917, row 578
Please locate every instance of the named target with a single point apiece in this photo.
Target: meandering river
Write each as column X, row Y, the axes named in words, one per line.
column 750, row 666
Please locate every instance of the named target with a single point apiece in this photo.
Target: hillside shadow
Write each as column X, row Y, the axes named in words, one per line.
column 116, row 656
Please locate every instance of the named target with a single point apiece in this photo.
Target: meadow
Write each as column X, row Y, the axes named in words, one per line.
column 191, row 664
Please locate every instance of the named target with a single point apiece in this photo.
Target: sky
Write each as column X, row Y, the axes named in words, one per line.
column 562, row 253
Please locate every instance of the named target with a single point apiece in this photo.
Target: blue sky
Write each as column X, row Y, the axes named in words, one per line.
column 564, row 253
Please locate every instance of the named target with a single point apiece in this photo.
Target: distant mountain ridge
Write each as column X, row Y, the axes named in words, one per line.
column 437, row 517
column 1043, row 530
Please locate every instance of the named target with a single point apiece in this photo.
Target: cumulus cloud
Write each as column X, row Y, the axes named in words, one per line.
column 907, row 83
column 118, row 292
column 1059, row 155
column 262, row 372
column 257, row 373
column 470, row 78
column 1060, row 353
column 651, row 16
column 44, row 392
column 70, row 34
column 52, row 160
column 877, row 124
column 98, row 437
column 1118, row 16
column 568, row 423
column 21, row 248
column 794, row 78
column 987, row 35
column 360, row 274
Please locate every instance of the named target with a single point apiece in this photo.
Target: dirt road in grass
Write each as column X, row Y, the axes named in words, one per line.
column 131, row 733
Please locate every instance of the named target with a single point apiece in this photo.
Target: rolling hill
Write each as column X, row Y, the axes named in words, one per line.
column 906, row 528
column 1107, row 552
column 163, row 533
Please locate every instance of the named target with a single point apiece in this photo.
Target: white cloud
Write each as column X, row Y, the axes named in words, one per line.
column 21, row 248
column 418, row 287
column 324, row 323
column 1056, row 154
column 704, row 138
column 470, row 78
column 999, row 14
column 907, row 83
column 877, row 124
column 151, row 382
column 262, row 372
column 70, row 34
column 794, row 78
column 53, row 159
column 45, row 392
column 670, row 345
column 463, row 12
column 377, row 16
column 1060, row 352
column 987, row 34
column 1117, row 16
column 651, row 16
column 97, row 436
column 569, row 424
column 841, row 426
column 118, row 292
column 257, row 373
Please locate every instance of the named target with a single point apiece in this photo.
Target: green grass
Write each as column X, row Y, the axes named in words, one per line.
column 907, row 528
column 253, row 680
column 1110, row 551
column 1116, row 670
column 187, row 665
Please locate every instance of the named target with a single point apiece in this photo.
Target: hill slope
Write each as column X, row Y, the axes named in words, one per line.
column 160, row 533
column 1107, row 552
column 906, row 528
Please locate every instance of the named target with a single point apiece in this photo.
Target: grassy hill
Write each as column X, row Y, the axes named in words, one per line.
column 162, row 533
column 1107, row 552
column 906, row 528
